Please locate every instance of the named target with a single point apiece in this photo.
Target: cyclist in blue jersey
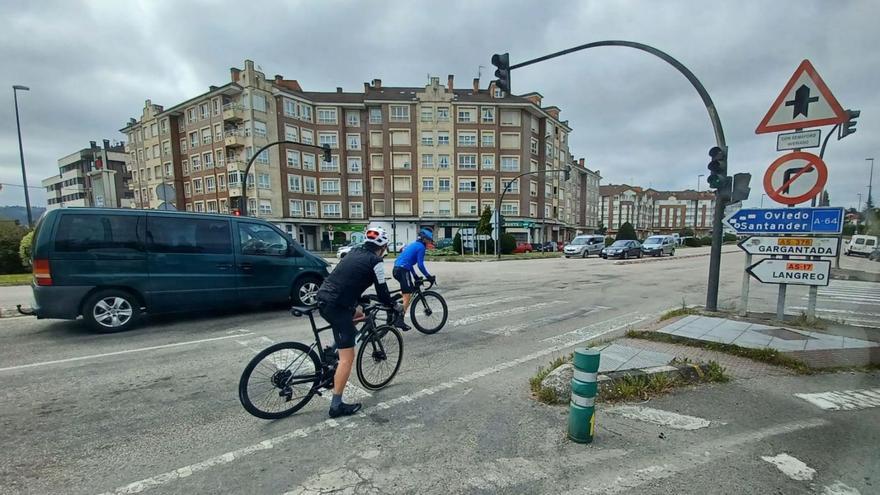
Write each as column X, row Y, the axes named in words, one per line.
column 404, row 266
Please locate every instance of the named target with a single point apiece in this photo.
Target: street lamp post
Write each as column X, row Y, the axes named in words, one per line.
column 859, row 204
column 27, row 199
column 870, row 201
column 762, row 200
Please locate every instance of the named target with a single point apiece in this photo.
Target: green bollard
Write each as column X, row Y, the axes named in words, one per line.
column 582, row 409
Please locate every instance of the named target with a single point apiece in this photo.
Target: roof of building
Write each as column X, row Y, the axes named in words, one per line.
column 686, row 194
column 613, row 189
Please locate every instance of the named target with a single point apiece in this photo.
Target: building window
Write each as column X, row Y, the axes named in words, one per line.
column 207, row 137
column 354, row 165
column 199, row 206
column 328, row 139
column 163, row 126
column 296, row 207
column 533, row 210
column 533, row 166
column 467, row 207
column 191, row 115
column 488, row 162
column 487, row 139
column 444, row 208
column 304, row 112
column 466, row 115
column 487, row 115
column 467, row 138
column 208, row 160
column 166, row 148
column 294, row 183
column 355, row 187
column 308, row 161
column 400, row 138
column 428, row 207
column 376, row 115
column 259, row 104
column 427, row 161
column 289, row 108
column 329, row 186
column 511, row 185
column 443, row 161
column 203, row 110
column 293, row 159
column 379, row 207
column 234, row 179
column 331, row 209
column 510, row 208
column 510, row 164
column 168, row 170
column 352, row 118
column 488, row 185
column 353, row 141
column 265, row 207
column 510, row 141
column 197, row 186
column 427, row 114
column 356, row 210
column 221, row 182
column 510, row 117
column 401, row 161
column 403, row 206
column 196, row 163
column 378, row 185
column 467, row 185
column 215, row 106
column 499, row 93
column 263, row 181
column 193, row 139
column 218, row 132
column 376, row 162
column 443, row 138
column 187, row 189
column 533, row 146
column 326, row 115
column 533, row 188
column 442, row 114
column 467, row 161
column 444, row 184
column 427, row 138
column 402, row 184
column 291, row 133
column 399, row 113
column 182, row 146
column 310, row 185
column 331, row 166
column 308, row 137
column 210, row 184
column 428, row 184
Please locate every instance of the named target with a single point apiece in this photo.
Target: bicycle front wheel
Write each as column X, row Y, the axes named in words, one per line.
column 428, row 312
column 280, row 380
column 379, row 357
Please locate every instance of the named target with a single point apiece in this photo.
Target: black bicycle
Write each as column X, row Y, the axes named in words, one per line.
column 284, row 377
column 427, row 308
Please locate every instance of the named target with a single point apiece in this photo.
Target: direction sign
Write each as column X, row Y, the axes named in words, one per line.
column 795, row 177
column 795, row 246
column 798, row 140
column 786, row 221
column 804, row 102
column 792, row 272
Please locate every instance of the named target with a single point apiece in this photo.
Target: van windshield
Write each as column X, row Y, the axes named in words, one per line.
column 654, row 240
column 579, row 241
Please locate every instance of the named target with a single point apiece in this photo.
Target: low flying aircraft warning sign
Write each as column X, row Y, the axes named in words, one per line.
column 804, row 102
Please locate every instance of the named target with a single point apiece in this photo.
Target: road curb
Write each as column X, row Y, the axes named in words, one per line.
column 668, row 258
column 690, row 372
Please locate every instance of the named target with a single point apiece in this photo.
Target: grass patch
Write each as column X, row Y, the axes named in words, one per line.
column 765, row 355
column 684, row 310
column 643, row 387
column 804, row 321
column 535, row 381
column 15, row 279
column 716, row 373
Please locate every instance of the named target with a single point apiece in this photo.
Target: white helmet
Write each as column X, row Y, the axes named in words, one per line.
column 377, row 236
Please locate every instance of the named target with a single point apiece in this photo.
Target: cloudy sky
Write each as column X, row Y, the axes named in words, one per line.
column 90, row 66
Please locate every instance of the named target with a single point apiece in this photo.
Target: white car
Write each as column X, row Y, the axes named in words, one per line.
column 343, row 250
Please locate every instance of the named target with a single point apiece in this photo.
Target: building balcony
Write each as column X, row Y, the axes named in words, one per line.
column 233, row 112
column 235, row 139
column 233, row 165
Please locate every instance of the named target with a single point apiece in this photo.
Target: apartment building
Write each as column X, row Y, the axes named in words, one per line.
column 656, row 212
column 401, row 157
column 92, row 176
column 587, row 197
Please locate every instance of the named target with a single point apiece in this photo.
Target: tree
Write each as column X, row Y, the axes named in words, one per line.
column 602, row 229
column 626, row 233
column 10, row 242
column 24, row 248
column 484, row 225
column 687, row 232
column 508, row 243
column 456, row 243
column 824, row 200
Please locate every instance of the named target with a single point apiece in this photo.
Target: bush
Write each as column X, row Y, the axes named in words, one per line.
column 508, row 243
column 609, row 241
column 10, row 244
column 447, row 251
column 626, row 233
column 24, row 248
column 692, row 242
column 729, row 238
column 456, row 243
column 706, row 240
column 687, row 232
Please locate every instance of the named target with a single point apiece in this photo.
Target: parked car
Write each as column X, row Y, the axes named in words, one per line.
column 658, row 245
column 550, row 247
column 584, row 245
column 861, row 244
column 623, row 250
column 112, row 266
column 343, row 250
column 522, row 247
column 443, row 243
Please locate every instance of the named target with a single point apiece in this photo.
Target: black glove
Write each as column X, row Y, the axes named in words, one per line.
column 432, row 279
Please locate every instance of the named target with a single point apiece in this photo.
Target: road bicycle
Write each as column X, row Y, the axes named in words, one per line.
column 284, row 377
column 427, row 308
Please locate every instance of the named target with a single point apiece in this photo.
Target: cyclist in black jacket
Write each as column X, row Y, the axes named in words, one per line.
column 338, row 298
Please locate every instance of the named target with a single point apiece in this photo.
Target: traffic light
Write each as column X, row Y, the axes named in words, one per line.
column 235, row 205
column 327, row 158
column 741, row 189
column 849, row 127
column 502, row 62
column 718, row 167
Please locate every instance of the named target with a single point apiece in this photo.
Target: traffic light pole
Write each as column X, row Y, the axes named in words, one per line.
column 247, row 169
column 715, row 256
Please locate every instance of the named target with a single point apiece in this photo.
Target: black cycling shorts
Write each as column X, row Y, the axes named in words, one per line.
column 339, row 319
column 404, row 277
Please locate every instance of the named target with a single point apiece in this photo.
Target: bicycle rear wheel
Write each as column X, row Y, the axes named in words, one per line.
column 428, row 312
column 379, row 357
column 280, row 380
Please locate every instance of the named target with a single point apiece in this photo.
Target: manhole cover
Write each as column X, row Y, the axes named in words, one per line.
column 783, row 334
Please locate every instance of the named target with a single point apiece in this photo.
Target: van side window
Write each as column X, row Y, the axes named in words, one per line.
column 261, row 240
column 91, row 233
column 869, row 242
column 189, row 235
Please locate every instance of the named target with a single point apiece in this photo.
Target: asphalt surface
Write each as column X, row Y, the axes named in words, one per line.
column 156, row 410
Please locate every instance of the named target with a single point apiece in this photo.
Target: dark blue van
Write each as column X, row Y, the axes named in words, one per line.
column 114, row 265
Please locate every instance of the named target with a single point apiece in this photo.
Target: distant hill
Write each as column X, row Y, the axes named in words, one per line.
column 20, row 213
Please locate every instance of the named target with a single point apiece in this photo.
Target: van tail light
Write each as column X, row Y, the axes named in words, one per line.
column 42, row 273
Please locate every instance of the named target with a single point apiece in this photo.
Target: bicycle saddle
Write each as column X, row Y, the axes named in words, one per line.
column 302, row 310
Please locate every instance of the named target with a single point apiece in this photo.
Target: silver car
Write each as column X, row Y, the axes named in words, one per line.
column 658, row 245
column 584, row 245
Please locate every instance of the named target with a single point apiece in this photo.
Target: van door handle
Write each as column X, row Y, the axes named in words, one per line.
column 224, row 266
column 246, row 267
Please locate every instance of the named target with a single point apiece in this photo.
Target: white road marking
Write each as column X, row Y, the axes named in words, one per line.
column 488, row 303
column 846, row 400
column 660, row 417
column 682, row 461
column 791, row 467
column 229, row 457
column 511, row 329
column 840, row 311
column 625, row 320
column 505, row 312
column 117, row 353
column 838, row 488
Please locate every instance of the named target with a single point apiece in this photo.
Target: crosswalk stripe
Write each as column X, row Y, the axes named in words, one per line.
column 845, row 400
column 660, row 417
column 488, row 303
column 547, row 320
column 495, row 314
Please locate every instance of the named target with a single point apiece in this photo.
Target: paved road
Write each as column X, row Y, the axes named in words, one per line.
column 156, row 410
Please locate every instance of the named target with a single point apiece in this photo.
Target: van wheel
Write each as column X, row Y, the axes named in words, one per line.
column 305, row 291
column 111, row 310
